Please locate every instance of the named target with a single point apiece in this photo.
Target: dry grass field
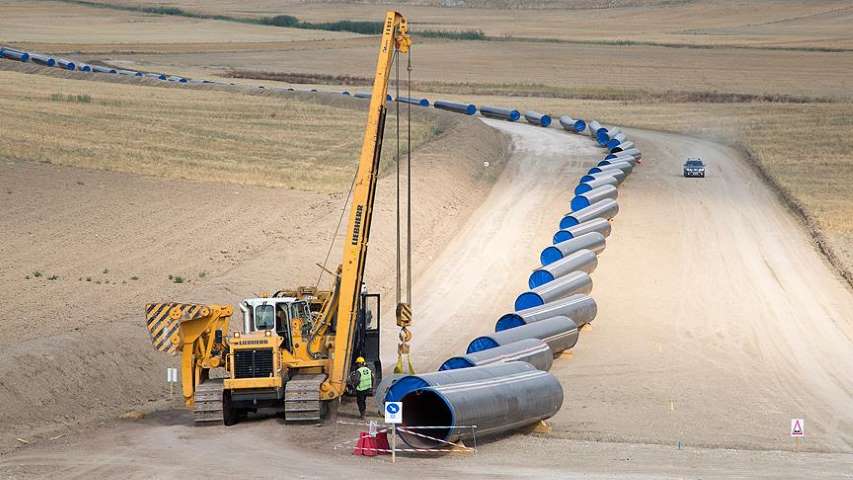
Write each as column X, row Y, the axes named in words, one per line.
column 182, row 133
column 773, row 24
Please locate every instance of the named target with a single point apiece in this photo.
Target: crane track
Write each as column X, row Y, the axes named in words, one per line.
column 208, row 401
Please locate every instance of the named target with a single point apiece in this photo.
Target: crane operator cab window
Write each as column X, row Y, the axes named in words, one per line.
column 264, row 318
column 282, row 324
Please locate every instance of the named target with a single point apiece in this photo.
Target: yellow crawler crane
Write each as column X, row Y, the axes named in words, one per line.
column 297, row 346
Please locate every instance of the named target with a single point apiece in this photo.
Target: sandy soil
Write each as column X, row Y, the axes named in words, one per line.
column 741, row 335
column 73, row 349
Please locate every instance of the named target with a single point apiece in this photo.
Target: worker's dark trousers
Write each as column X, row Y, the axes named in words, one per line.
column 361, row 400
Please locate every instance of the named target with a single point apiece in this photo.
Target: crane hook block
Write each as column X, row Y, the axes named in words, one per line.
column 404, row 315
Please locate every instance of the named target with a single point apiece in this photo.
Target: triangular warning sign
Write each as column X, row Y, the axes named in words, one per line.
column 797, row 427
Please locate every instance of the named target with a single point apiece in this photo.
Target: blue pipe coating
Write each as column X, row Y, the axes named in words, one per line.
column 43, row 59
column 400, row 387
column 14, row 54
column 536, row 118
column 507, row 114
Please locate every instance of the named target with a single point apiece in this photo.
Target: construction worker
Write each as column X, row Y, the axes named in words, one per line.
column 363, row 385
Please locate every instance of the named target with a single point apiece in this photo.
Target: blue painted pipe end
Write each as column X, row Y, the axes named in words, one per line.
column 345, row 93
column 582, row 188
column 616, row 149
column 613, row 143
column 510, row 320
column 579, row 202
column 587, row 178
column 538, row 278
column 610, row 156
column 528, row 300
column 455, row 363
column 580, row 126
column 401, row 387
column 562, row 236
column 550, row 255
column 482, row 343
column 567, row 222
column 85, row 68
column 594, row 170
column 604, row 163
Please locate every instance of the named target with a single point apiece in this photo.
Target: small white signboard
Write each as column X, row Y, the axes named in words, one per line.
column 798, row 427
column 394, row 412
column 172, row 375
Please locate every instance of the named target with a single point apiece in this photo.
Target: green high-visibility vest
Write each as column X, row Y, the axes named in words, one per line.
column 365, row 379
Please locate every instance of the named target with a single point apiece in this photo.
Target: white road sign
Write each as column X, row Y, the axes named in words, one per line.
column 172, row 375
column 798, row 427
column 394, row 412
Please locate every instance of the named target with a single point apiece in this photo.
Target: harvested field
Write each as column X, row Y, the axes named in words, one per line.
column 765, row 24
column 68, row 23
column 199, row 135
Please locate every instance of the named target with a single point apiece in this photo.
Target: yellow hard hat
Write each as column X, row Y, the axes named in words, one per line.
column 359, row 360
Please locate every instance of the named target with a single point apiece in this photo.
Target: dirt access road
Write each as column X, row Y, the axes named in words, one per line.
column 718, row 322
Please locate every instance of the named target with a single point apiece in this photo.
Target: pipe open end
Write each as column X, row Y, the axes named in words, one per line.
column 539, row 278
column 509, row 321
column 579, row 203
column 427, row 408
column 401, row 387
column 550, row 254
column 528, row 300
column 562, row 236
column 454, row 363
column 483, row 343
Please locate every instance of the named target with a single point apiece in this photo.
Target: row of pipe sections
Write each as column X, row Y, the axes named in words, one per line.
column 614, row 140
column 502, row 381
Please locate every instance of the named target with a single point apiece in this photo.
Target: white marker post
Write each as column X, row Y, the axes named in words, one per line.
column 393, row 415
column 172, row 379
column 798, row 430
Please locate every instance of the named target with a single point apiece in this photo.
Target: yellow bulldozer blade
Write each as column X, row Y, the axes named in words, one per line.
column 163, row 322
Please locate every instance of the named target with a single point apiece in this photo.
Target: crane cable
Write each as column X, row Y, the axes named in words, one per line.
column 404, row 310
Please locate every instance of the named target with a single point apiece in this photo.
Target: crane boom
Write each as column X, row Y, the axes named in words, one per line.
column 394, row 38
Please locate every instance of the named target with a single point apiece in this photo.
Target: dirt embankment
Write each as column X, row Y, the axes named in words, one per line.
column 73, row 348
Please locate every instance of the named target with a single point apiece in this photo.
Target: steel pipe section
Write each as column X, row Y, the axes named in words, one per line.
column 622, row 146
column 561, row 287
column 466, row 108
column 507, row 114
column 66, row 64
column 629, row 152
column 421, row 102
column 619, row 175
column 495, row 405
column 530, row 350
column 582, row 260
column 84, row 67
column 581, row 309
column 407, row 383
column 388, row 97
column 599, row 225
column 14, row 54
column 606, row 209
column 584, row 187
column 558, row 331
column 590, row 241
column 570, row 124
column 536, row 118
column 594, row 128
column 43, row 59
column 100, row 69
column 595, row 195
column 615, row 140
column 624, row 167
column 158, row 76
